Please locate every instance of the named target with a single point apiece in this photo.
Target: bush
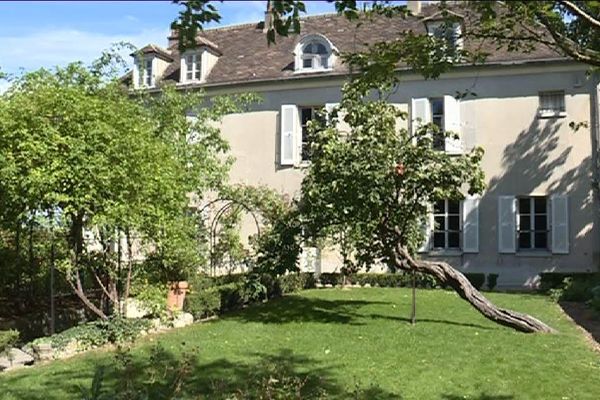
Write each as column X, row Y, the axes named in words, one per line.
column 272, row 285
column 231, row 295
column 555, row 280
column 203, row 303
column 595, row 301
column 152, row 297
column 492, row 281
column 7, row 340
column 295, row 282
column 576, row 288
column 330, row 278
column 477, row 279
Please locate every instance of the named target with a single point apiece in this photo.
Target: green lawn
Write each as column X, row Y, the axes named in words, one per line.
column 359, row 341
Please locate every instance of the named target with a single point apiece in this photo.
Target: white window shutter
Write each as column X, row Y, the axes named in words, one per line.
column 419, row 110
column 427, row 228
column 309, row 259
column 289, row 131
column 452, row 124
column 560, row 224
column 329, row 107
column 507, row 216
column 470, row 222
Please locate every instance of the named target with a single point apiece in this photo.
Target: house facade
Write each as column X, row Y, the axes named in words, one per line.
column 539, row 211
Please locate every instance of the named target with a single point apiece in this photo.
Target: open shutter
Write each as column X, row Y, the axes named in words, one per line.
column 507, row 216
column 426, row 227
column 289, row 122
column 470, row 216
column 560, row 224
column 419, row 110
column 452, row 124
column 329, row 107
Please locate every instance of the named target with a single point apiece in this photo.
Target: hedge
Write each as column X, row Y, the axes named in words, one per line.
column 401, row 279
column 555, row 280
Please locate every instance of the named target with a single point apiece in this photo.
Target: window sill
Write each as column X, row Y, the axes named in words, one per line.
column 534, row 254
column 312, row 70
column 444, row 253
column 551, row 114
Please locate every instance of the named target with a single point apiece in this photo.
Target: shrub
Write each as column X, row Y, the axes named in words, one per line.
column 295, row 282
column 272, row 285
column 492, row 281
column 555, row 280
column 7, row 340
column 477, row 279
column 330, row 278
column 231, row 295
column 152, row 297
column 595, row 301
column 203, row 303
column 576, row 288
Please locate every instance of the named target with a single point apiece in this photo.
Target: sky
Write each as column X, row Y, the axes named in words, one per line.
column 45, row 34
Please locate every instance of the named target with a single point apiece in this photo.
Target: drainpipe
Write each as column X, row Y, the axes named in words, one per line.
column 595, row 149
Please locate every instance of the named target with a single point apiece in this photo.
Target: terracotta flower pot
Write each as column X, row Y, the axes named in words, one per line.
column 176, row 296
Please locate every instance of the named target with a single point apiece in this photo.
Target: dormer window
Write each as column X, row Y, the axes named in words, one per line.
column 448, row 33
column 191, row 67
column 145, row 73
column 314, row 53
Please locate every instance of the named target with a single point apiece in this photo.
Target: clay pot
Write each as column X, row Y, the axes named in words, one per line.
column 176, row 296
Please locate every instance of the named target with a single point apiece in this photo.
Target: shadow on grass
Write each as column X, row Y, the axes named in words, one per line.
column 295, row 308
column 163, row 374
column 480, row 397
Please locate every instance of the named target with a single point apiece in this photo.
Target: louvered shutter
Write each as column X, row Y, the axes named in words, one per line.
column 452, row 124
column 507, row 215
column 420, row 113
column 560, row 224
column 289, row 131
column 470, row 216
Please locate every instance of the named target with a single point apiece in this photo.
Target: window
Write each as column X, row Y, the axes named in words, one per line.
column 448, row 33
column 308, row 114
column 314, row 53
column 446, row 231
column 552, row 104
column 192, row 67
column 145, row 72
column 437, row 118
column 532, row 223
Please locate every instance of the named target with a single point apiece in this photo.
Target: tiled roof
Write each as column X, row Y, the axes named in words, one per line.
column 152, row 48
column 245, row 55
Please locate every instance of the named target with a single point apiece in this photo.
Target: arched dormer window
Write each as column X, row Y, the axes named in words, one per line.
column 314, row 53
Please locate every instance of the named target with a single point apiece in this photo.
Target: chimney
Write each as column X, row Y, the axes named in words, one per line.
column 414, row 6
column 173, row 38
column 268, row 16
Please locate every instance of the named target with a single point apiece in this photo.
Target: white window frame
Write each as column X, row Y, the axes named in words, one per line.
column 446, row 215
column 145, row 78
column 302, row 143
column 198, row 63
column 450, row 121
column 558, row 112
column 316, row 64
column 531, row 229
column 433, row 26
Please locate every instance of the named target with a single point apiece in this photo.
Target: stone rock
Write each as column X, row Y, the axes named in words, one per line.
column 367, row 285
column 183, row 319
column 18, row 358
column 43, row 352
column 135, row 309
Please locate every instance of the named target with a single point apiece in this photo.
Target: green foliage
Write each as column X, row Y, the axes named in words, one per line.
column 595, row 300
column 555, row 280
column 580, row 287
column 97, row 333
column 203, row 303
column 477, row 279
column 492, row 281
column 8, row 339
column 291, row 283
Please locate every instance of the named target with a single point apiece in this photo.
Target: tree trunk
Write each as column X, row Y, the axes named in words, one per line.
column 413, row 313
column 451, row 277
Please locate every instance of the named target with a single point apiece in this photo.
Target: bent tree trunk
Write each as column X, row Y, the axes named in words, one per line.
column 455, row 279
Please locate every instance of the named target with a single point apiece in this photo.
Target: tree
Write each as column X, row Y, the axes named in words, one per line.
column 78, row 149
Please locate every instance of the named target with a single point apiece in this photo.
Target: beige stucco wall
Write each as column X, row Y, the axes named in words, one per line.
column 524, row 155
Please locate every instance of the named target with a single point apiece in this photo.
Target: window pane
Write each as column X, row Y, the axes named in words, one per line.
column 453, row 240
column 189, row 76
column 307, row 62
column 439, row 240
column 437, row 107
column 540, row 205
column 324, row 62
column 541, row 240
column 453, row 223
column 453, row 207
column 524, row 240
column 439, row 122
column 439, row 207
column 541, row 223
column 305, row 115
column 524, row 206
column 321, row 49
column 197, row 72
column 525, row 223
column 440, row 223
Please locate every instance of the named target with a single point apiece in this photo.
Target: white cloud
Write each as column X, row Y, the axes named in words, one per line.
column 61, row 46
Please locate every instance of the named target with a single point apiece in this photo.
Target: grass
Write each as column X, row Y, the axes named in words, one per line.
column 359, row 341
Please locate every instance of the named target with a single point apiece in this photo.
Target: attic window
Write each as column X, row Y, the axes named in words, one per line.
column 191, row 67
column 314, row 53
column 447, row 32
column 145, row 73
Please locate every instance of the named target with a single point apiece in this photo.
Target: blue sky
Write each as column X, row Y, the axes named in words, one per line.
column 45, row 34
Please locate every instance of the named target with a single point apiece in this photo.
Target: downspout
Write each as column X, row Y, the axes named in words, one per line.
column 595, row 149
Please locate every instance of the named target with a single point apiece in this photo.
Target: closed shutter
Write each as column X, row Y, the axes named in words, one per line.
column 426, row 227
column 560, row 224
column 452, row 124
column 470, row 216
column 310, row 259
column 420, row 113
column 507, row 215
column 289, row 131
